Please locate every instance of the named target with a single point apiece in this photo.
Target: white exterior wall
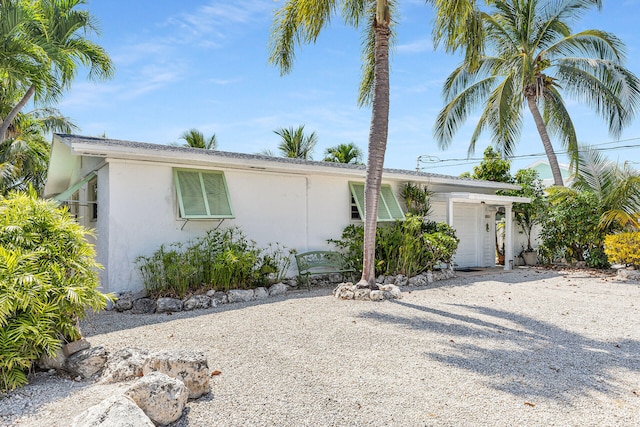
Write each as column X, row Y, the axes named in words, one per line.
column 298, row 211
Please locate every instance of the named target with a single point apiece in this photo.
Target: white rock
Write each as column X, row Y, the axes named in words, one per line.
column 278, row 289
column 240, row 295
column 217, row 297
column 345, row 291
column 362, row 294
column 161, row 397
column 116, row 411
column 376, row 295
column 126, row 364
column 627, row 274
column 187, row 366
column 401, row 280
column 391, row 291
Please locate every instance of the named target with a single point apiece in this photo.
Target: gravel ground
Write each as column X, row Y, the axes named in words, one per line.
column 531, row 347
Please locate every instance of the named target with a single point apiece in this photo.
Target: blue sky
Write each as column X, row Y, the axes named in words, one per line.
column 203, row 64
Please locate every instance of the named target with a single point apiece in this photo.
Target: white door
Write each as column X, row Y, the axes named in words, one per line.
column 465, row 222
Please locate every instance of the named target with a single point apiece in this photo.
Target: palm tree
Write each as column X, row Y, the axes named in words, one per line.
column 44, row 42
column 534, row 57
column 617, row 189
column 301, row 21
column 195, row 139
column 295, row 144
column 344, row 153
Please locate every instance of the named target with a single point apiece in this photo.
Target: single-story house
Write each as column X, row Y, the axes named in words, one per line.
column 137, row 196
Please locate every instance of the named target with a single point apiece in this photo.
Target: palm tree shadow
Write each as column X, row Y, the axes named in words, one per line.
column 521, row 355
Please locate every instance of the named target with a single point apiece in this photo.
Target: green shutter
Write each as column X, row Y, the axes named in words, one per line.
column 202, row 194
column 393, row 207
column 388, row 207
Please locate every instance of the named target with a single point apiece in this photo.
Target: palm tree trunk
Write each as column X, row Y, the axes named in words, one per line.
column 546, row 141
column 14, row 112
column 377, row 146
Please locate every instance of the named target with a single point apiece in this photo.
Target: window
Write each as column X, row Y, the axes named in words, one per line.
column 202, row 194
column 388, row 208
column 92, row 199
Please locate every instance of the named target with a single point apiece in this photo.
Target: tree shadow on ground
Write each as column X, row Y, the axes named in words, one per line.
column 521, row 355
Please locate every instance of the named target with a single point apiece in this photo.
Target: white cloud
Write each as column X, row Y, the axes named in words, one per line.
column 417, row 46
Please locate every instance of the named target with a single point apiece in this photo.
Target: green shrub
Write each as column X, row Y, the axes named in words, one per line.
column 623, row 248
column 570, row 229
column 48, row 279
column 220, row 260
column 406, row 247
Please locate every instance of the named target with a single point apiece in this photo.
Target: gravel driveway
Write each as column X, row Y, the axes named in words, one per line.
column 531, row 347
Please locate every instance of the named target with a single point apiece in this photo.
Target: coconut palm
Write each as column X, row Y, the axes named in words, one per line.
column 617, row 189
column 43, row 43
column 295, row 144
column 344, row 153
column 195, row 139
column 301, row 21
column 533, row 59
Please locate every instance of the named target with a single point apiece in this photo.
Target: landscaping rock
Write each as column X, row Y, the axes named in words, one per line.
column 197, row 302
column 189, row 367
column 143, row 306
column 86, row 363
column 401, row 280
column 124, row 302
column 217, row 298
column 278, row 289
column 161, row 397
column 361, row 294
column 75, row 346
column 344, row 291
column 626, row 274
column 376, row 295
column 126, row 364
column 260, row 293
column 391, row 292
column 429, row 276
column 168, row 305
column 389, row 280
column 116, row 411
column 418, row 280
column 240, row 295
column 56, row 362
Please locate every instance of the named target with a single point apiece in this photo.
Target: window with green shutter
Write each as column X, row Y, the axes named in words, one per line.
column 388, row 207
column 202, row 194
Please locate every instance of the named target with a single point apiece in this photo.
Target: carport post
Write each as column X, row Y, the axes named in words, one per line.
column 508, row 239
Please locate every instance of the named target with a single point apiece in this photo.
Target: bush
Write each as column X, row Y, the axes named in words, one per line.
column 623, row 248
column 221, row 260
column 47, row 281
column 570, row 229
column 406, row 247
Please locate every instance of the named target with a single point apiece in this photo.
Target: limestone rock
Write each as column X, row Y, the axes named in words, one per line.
column 240, row 295
column 278, row 289
column 418, row 280
column 75, row 346
column 376, row 295
column 124, row 365
column 401, row 280
column 161, row 397
column 391, row 292
column 196, row 302
column 86, row 363
column 168, row 305
column 143, row 306
column 626, row 274
column 56, row 362
column 362, row 294
column 344, row 291
column 124, row 302
column 116, row 411
column 389, row 280
column 429, row 276
column 217, row 297
column 260, row 293
column 187, row 366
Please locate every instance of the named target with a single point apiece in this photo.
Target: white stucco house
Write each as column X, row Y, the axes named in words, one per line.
column 137, row 196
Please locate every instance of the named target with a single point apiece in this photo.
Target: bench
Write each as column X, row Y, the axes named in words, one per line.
column 320, row 262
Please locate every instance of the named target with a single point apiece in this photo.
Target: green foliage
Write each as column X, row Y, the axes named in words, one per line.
column 48, row 279
column 528, row 215
column 295, row 143
column 344, row 153
column 492, row 168
column 406, row 247
column 221, row 260
column 570, row 230
column 623, row 248
column 416, row 198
